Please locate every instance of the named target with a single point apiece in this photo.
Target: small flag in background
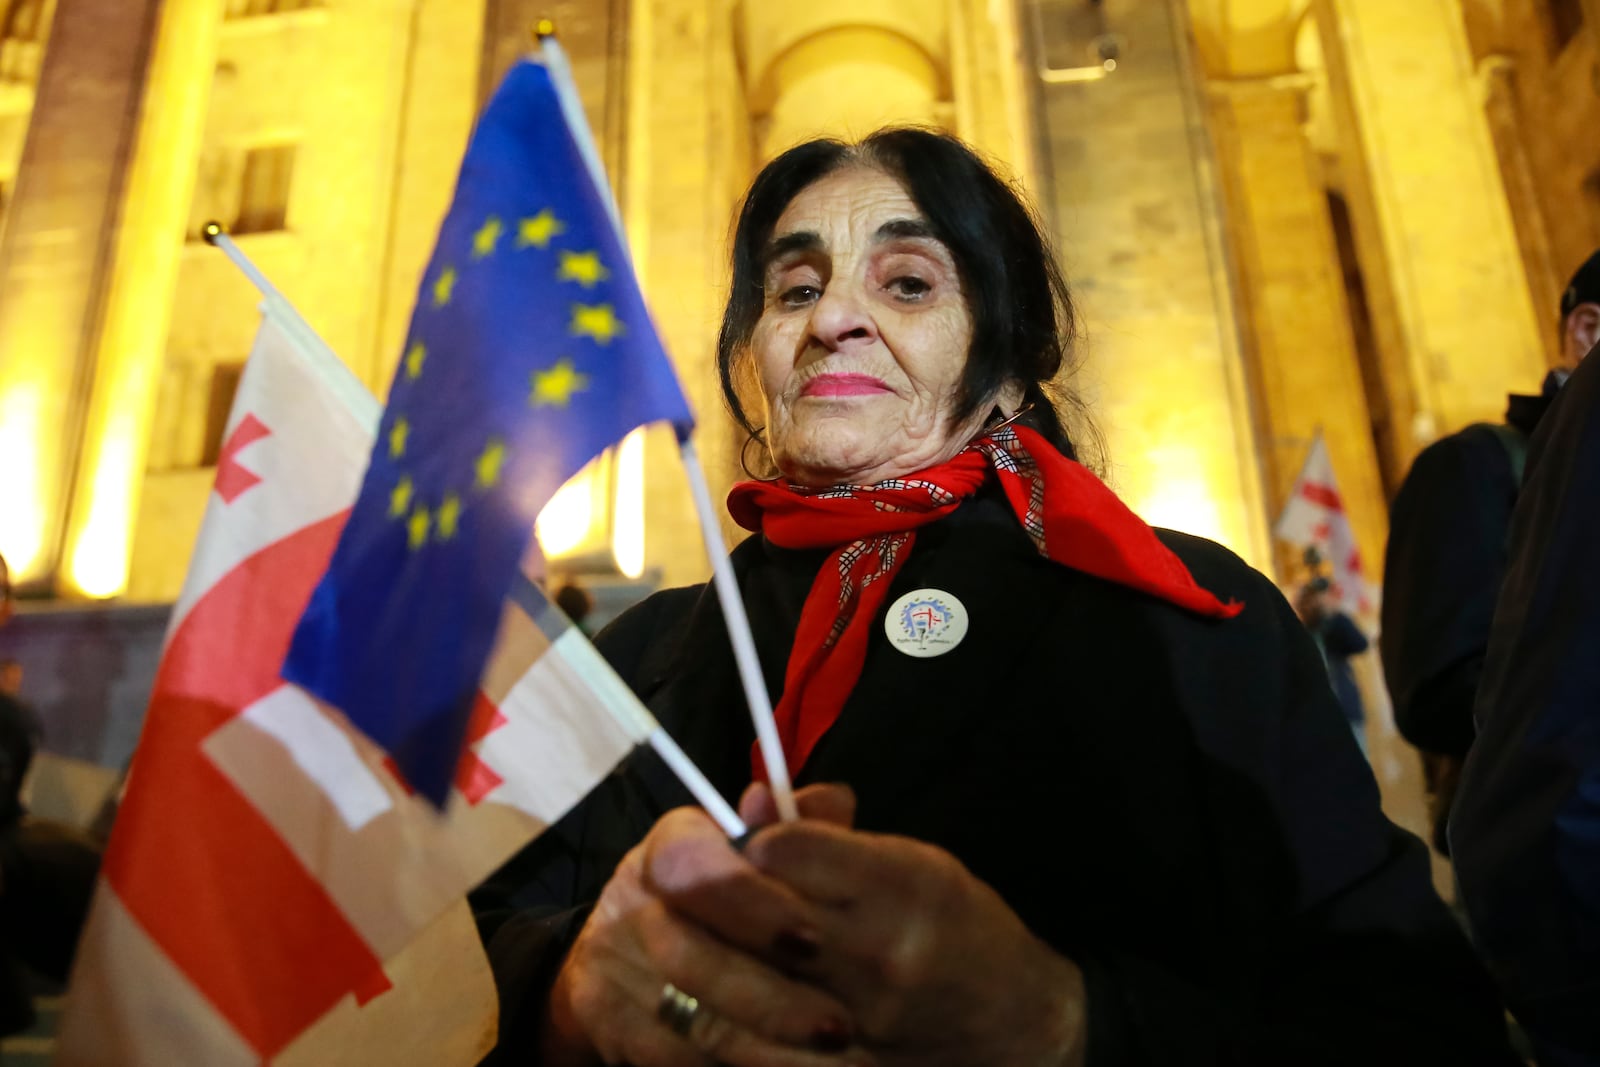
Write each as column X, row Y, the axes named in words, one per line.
column 530, row 352
column 1315, row 515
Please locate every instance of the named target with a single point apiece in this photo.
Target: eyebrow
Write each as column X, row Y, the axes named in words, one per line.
column 810, row 240
column 904, row 228
column 789, row 243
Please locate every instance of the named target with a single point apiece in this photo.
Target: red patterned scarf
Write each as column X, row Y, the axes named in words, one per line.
column 1069, row 513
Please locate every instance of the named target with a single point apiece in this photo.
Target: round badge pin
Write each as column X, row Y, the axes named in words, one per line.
column 926, row 622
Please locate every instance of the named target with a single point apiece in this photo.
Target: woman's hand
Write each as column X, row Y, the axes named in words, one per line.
column 932, row 964
column 684, row 907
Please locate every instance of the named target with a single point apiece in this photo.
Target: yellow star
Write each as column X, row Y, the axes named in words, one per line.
column 595, row 320
column 484, row 240
column 400, row 497
column 448, row 515
column 414, row 360
column 584, row 268
column 538, row 230
column 397, row 437
column 417, row 527
column 489, row 462
column 445, row 286
column 556, row 385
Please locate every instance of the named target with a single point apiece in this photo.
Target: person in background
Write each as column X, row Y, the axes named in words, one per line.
column 18, row 739
column 1101, row 806
column 10, row 677
column 1338, row 638
column 47, row 870
column 1525, row 830
column 19, row 727
column 576, row 603
column 1446, row 556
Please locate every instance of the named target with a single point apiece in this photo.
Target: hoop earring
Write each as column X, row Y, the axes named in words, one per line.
column 1003, row 423
column 754, row 437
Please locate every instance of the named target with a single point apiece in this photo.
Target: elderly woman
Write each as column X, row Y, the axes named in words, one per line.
column 1098, row 805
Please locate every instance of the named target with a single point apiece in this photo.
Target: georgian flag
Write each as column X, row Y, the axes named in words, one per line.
column 1315, row 515
column 272, row 892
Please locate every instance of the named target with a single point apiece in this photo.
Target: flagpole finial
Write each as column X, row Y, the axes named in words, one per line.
column 544, row 28
column 211, row 231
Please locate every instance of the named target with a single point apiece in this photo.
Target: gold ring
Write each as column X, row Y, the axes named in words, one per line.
column 677, row 1009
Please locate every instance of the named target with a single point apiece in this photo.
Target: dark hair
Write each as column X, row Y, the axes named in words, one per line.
column 574, row 601
column 1022, row 317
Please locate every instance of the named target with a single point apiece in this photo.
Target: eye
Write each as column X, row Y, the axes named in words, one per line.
column 799, row 296
column 909, row 288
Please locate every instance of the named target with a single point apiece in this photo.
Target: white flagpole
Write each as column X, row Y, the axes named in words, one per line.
column 625, row 708
column 744, row 647
column 340, row 380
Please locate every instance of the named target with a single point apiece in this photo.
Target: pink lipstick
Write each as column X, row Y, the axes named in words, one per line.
column 843, row 385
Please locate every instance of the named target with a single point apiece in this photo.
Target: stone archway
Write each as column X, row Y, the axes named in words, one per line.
column 836, row 69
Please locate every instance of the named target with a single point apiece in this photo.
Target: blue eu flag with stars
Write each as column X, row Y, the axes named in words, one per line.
column 530, row 353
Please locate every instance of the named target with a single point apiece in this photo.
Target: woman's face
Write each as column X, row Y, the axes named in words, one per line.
column 863, row 336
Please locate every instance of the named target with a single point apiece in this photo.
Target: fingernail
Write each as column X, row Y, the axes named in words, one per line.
column 832, row 1036
column 799, row 945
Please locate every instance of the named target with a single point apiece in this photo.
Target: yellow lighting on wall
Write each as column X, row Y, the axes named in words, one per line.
column 22, row 505
column 627, row 507
column 1182, row 497
column 99, row 564
column 564, row 523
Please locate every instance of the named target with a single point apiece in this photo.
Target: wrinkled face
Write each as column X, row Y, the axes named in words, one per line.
column 863, row 336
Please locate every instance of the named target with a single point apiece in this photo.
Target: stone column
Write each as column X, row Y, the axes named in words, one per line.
column 688, row 158
column 147, row 247
column 1496, row 74
column 1307, row 375
column 437, row 105
column 1431, row 211
column 989, row 76
column 58, row 246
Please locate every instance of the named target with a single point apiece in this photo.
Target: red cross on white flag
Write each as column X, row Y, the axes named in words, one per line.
column 1315, row 515
column 271, row 893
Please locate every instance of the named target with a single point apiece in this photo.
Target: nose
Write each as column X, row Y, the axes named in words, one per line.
column 840, row 319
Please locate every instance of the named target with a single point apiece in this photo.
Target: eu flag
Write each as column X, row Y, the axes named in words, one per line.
column 530, row 352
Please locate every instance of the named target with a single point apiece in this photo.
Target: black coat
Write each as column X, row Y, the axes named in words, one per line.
column 1339, row 638
column 1176, row 803
column 1525, row 831
column 1441, row 573
column 19, row 739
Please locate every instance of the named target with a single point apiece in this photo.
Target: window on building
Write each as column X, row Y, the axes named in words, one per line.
column 1563, row 19
column 244, row 9
column 247, row 190
column 224, row 386
column 23, row 20
column 264, row 189
column 22, row 27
